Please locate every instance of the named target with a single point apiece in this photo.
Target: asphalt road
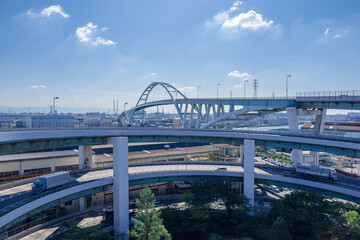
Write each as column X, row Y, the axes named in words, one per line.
column 17, row 196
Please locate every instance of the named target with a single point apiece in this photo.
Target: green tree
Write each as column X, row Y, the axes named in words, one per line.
column 187, row 198
column 236, row 202
column 148, row 224
column 310, row 215
column 77, row 233
column 279, row 230
column 214, row 236
column 352, row 219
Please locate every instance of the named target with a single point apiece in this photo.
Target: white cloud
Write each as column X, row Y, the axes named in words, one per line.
column 327, row 31
column 49, row 11
column 186, row 89
column 341, row 34
column 228, row 19
column 88, row 34
column 251, row 20
column 152, row 74
column 238, row 85
column 37, row 86
column 237, row 74
column 235, row 6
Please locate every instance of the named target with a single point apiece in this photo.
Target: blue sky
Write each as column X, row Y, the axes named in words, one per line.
column 91, row 52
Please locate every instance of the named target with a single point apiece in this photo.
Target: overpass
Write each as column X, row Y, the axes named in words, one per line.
column 102, row 180
column 207, row 112
column 33, row 140
column 20, row 141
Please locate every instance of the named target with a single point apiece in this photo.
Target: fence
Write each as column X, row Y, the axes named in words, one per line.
column 329, row 96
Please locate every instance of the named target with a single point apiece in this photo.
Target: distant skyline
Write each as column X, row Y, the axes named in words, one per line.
column 89, row 53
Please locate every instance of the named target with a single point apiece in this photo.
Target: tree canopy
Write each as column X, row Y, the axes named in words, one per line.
column 148, row 224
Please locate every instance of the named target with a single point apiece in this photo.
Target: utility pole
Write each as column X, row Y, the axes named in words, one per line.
column 54, row 110
column 245, row 81
column 255, row 85
column 287, row 77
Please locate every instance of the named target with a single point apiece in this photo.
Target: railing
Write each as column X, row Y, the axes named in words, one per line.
column 222, row 98
column 329, row 96
column 15, row 205
column 26, row 226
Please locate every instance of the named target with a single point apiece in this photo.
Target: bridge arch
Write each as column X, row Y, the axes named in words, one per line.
column 140, row 113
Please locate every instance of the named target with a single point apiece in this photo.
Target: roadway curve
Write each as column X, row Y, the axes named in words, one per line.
column 33, row 140
column 15, row 208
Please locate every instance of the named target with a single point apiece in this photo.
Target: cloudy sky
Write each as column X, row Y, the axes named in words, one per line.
column 91, row 52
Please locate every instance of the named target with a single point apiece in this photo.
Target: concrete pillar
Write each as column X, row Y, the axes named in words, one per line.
column 81, row 203
column 242, row 153
column 318, row 130
column 291, row 112
column 121, row 184
column 249, row 171
column 21, row 170
column 85, row 157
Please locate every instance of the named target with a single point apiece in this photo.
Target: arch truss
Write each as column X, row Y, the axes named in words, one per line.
column 137, row 114
column 204, row 113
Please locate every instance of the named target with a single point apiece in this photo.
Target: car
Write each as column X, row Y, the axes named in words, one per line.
column 221, row 169
column 275, row 188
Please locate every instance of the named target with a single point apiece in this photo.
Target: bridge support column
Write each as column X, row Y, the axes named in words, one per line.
column 85, row 157
column 318, row 130
column 121, row 184
column 242, row 153
column 81, row 203
column 292, row 114
column 249, row 168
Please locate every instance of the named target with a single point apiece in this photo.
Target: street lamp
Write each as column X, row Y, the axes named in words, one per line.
column 245, row 81
column 217, row 90
column 199, row 91
column 54, row 125
column 287, row 76
column 125, row 107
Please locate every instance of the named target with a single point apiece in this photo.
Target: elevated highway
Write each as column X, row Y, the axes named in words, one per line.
column 16, row 209
column 32, row 140
column 24, row 141
column 207, row 112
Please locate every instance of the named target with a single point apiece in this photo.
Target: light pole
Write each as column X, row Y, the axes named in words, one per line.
column 245, row 81
column 231, row 94
column 199, row 91
column 54, row 125
column 125, row 107
column 287, row 76
column 217, row 90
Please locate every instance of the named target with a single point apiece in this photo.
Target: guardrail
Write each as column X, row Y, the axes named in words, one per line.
column 13, row 206
column 329, row 96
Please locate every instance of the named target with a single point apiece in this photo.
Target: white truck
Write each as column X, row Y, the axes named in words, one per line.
column 50, row 181
column 316, row 171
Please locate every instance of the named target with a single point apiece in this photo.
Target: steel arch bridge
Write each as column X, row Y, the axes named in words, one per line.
column 201, row 113
column 208, row 112
column 137, row 114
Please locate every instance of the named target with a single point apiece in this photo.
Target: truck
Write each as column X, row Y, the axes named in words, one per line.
column 316, row 171
column 50, row 181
